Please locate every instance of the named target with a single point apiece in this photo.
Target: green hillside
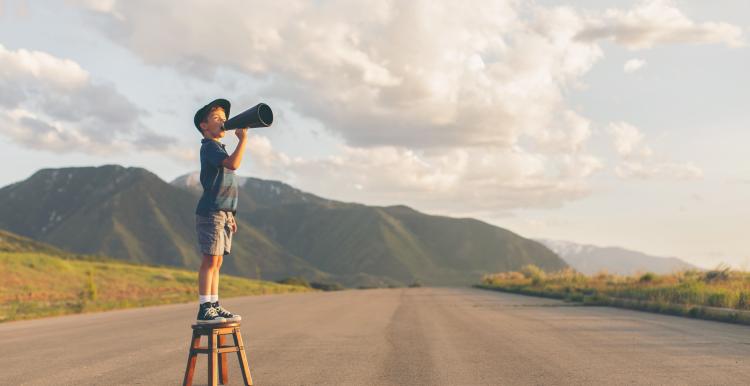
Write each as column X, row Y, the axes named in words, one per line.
column 38, row 281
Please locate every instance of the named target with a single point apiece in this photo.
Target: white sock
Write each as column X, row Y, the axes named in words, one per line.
column 214, row 298
column 204, row 298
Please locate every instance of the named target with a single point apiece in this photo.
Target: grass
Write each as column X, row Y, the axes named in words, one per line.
column 720, row 294
column 35, row 284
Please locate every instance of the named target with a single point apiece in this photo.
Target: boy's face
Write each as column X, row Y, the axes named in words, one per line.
column 212, row 125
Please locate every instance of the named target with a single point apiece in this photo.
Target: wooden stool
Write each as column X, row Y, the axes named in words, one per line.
column 217, row 352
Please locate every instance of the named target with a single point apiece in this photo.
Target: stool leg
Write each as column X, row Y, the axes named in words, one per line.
column 223, row 368
column 242, row 357
column 213, row 358
column 192, row 356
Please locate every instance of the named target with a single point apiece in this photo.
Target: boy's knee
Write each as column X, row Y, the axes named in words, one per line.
column 211, row 261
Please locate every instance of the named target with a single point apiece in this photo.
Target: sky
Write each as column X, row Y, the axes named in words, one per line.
column 612, row 123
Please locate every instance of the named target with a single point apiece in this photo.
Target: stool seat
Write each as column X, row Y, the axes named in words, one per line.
column 216, row 351
column 210, row 326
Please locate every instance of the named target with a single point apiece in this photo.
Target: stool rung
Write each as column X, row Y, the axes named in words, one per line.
column 220, row 350
column 217, row 331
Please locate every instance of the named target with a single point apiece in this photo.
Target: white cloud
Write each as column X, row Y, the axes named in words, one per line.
column 633, row 65
column 661, row 171
column 459, row 181
column 41, row 66
column 50, row 103
column 628, row 140
column 417, row 74
column 428, row 96
column 638, row 160
column 106, row 6
column 29, row 130
column 655, row 22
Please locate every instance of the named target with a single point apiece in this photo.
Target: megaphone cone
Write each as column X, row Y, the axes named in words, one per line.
column 258, row 116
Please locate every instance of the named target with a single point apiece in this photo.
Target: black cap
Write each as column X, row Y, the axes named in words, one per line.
column 200, row 115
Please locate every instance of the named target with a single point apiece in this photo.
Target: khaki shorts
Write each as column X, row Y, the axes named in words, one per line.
column 214, row 233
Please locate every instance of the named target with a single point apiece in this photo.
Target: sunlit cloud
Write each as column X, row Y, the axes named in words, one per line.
column 52, row 104
column 638, row 160
column 633, row 65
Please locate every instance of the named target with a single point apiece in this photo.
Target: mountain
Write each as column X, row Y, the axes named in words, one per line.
column 590, row 259
column 349, row 240
column 398, row 242
column 133, row 215
column 129, row 214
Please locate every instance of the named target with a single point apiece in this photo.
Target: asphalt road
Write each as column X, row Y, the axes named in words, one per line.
column 419, row 336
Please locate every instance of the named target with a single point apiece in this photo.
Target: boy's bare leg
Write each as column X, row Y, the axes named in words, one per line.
column 215, row 279
column 209, row 269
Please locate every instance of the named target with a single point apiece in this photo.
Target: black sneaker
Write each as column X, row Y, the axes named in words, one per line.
column 207, row 314
column 230, row 317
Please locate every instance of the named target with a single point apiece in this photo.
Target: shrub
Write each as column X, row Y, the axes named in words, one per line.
column 717, row 299
column 90, row 291
column 327, row 286
column 721, row 273
column 534, row 273
column 647, row 277
column 742, row 300
column 503, row 277
column 295, row 280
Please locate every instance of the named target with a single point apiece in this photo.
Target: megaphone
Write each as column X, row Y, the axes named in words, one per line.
column 258, row 116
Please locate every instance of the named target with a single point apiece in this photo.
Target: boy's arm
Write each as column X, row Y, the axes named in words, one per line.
column 234, row 160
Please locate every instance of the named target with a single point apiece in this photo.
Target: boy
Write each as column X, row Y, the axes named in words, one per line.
column 214, row 220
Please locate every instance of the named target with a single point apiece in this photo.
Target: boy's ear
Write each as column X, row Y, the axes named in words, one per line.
column 203, row 126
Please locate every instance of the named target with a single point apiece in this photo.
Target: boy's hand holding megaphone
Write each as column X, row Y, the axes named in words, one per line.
column 241, row 133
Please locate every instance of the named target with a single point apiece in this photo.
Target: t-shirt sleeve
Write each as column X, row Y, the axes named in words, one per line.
column 214, row 155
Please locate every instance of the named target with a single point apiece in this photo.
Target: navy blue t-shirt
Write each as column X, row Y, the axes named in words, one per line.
column 220, row 186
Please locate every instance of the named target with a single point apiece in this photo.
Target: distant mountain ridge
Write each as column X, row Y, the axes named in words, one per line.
column 131, row 214
column 591, row 259
column 256, row 192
